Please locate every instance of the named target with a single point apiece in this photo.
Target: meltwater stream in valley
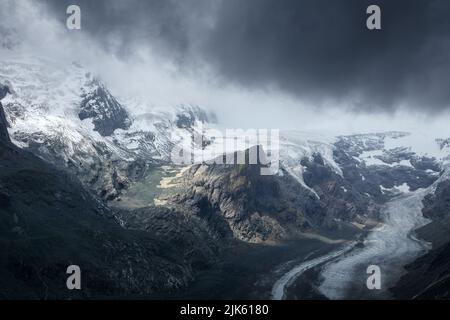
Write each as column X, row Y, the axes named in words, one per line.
column 390, row 246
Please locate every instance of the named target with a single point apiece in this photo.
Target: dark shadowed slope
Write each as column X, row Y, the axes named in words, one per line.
column 429, row 276
column 48, row 222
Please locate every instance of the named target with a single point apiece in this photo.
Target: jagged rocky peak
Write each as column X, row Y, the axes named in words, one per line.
column 443, row 143
column 188, row 115
column 358, row 143
column 4, row 90
column 238, row 202
column 106, row 112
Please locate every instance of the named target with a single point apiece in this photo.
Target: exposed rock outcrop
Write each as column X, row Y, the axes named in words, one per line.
column 4, row 136
column 106, row 112
column 437, row 204
column 48, row 222
column 429, row 276
column 238, row 202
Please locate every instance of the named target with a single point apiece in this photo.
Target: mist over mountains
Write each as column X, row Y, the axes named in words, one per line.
column 319, row 51
column 168, row 46
column 89, row 120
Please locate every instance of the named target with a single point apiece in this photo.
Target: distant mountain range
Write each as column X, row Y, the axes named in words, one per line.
column 87, row 177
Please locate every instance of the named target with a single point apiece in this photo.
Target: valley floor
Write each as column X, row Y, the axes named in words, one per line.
column 247, row 271
column 391, row 246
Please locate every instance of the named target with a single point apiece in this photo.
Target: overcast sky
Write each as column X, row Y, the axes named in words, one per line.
column 277, row 62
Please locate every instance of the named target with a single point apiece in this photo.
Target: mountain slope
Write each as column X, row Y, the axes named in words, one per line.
column 69, row 118
column 48, row 222
column 4, row 136
column 429, row 276
column 326, row 186
column 105, row 111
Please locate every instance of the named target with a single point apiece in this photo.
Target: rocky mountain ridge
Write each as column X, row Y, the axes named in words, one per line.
column 49, row 222
column 332, row 186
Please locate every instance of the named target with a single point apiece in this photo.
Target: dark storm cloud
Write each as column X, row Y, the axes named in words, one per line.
column 123, row 26
column 317, row 50
column 320, row 49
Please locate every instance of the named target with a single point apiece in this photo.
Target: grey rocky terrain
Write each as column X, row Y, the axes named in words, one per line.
column 429, row 276
column 49, row 221
column 171, row 224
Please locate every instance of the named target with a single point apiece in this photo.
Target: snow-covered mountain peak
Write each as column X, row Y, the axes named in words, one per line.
column 42, row 88
column 67, row 116
column 99, row 105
